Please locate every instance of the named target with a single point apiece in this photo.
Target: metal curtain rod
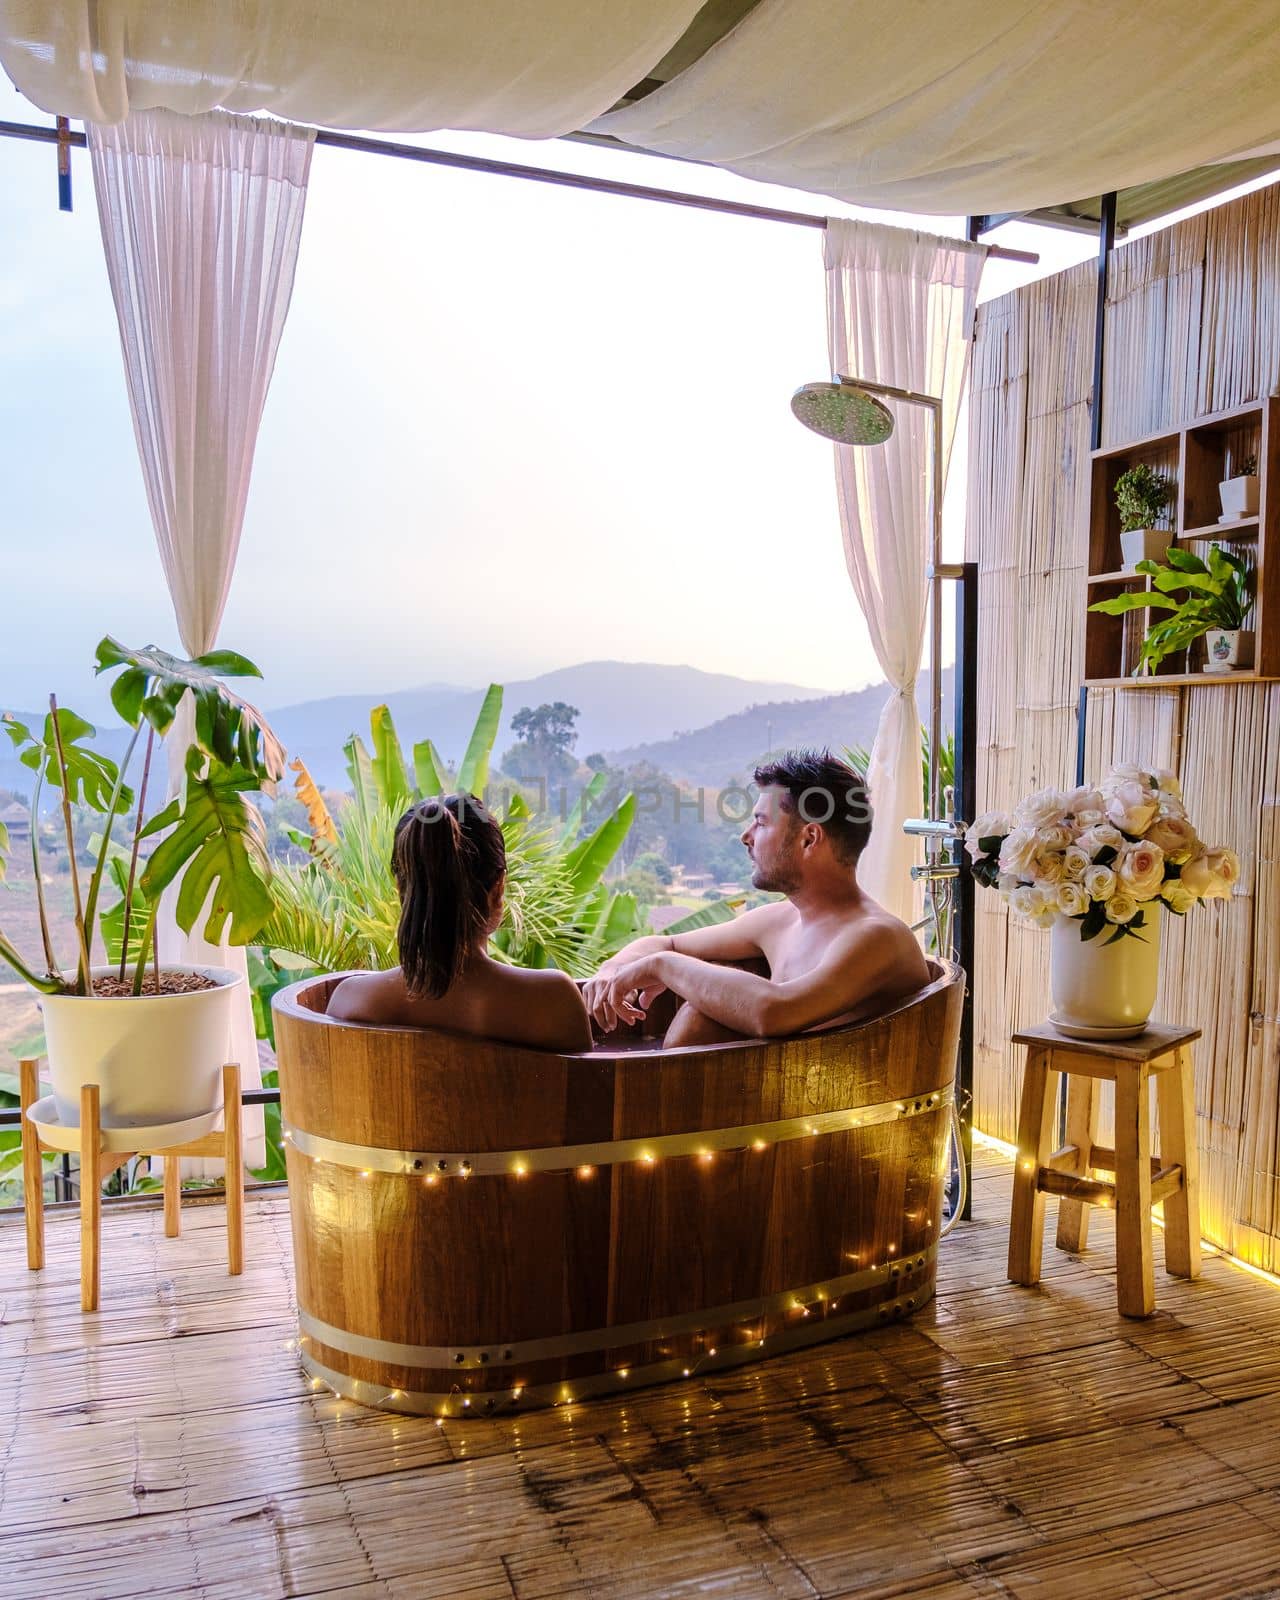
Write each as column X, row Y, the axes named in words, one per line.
column 512, row 169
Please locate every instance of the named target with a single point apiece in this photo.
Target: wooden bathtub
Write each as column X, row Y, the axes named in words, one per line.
column 479, row 1228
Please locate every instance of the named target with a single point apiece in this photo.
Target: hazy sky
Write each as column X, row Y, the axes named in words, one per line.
column 511, row 427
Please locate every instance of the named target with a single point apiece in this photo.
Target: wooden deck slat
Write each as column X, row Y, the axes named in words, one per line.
column 1006, row 1443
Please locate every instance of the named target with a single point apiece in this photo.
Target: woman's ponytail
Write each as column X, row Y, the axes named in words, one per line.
column 448, row 855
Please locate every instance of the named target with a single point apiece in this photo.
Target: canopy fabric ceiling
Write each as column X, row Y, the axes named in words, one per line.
column 947, row 106
column 531, row 68
column 972, row 106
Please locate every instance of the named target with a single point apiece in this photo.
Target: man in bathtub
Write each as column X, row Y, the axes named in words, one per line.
column 831, row 953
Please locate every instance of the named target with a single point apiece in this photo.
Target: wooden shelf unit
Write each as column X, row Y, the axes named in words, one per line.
column 1196, row 458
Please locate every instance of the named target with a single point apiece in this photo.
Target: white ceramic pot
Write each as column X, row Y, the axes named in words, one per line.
column 1103, row 990
column 1239, row 497
column 156, row 1059
column 1228, row 650
column 1143, row 544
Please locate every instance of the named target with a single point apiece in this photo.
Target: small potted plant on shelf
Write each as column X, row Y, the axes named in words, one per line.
column 1239, row 492
column 1142, row 497
column 1209, row 600
column 152, row 1035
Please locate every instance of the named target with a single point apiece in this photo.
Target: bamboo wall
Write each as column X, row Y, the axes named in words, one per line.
column 1193, row 325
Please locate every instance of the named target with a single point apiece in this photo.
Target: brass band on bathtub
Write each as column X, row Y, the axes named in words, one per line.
column 511, row 1353
column 566, row 1391
column 564, row 1157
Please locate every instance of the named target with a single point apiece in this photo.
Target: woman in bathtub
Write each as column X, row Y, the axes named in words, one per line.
column 449, row 861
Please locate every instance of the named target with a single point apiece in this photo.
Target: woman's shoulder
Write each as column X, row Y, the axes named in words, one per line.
column 365, row 996
column 556, row 1018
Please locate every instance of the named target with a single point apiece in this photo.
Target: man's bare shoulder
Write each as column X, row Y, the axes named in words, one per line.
column 877, row 935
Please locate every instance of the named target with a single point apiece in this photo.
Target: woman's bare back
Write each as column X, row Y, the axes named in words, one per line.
column 540, row 1009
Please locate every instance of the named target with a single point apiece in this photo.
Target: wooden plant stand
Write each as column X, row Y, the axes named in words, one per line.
column 97, row 1162
column 1139, row 1178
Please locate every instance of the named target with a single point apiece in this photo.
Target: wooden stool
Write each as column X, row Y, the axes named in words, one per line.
column 1141, row 1179
column 96, row 1162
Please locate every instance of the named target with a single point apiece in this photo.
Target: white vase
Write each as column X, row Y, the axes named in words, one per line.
column 1239, row 497
column 1103, row 990
column 156, row 1059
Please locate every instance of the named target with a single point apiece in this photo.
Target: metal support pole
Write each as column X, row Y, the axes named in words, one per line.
column 515, row 169
column 966, row 722
column 935, row 621
column 1106, row 244
column 64, row 164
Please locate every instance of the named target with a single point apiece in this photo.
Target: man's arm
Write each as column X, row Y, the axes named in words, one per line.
column 852, row 969
column 736, row 940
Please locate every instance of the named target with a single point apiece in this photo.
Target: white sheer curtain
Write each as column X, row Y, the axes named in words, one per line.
column 201, row 218
column 900, row 311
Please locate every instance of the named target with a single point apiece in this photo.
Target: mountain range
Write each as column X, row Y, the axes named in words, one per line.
column 703, row 727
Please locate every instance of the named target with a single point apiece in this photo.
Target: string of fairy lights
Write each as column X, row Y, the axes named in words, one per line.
column 726, row 1335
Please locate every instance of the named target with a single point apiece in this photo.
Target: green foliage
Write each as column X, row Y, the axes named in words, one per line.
column 91, row 778
column 1141, row 496
column 227, row 728
column 1245, row 468
column 651, row 861
column 213, row 828
column 546, row 737
column 1198, row 596
column 644, row 887
column 340, row 910
column 111, row 921
column 859, row 758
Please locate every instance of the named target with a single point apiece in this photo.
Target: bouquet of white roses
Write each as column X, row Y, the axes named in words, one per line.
column 1102, row 856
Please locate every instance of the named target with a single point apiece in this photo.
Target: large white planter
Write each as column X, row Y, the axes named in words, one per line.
column 156, row 1059
column 1101, row 990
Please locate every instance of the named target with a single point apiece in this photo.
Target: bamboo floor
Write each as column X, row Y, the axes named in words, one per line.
column 1005, row 1443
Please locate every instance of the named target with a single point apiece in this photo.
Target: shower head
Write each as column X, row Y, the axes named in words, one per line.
column 842, row 412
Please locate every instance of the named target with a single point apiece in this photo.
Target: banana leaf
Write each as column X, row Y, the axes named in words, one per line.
column 473, row 774
column 226, row 726
column 428, row 769
column 4, row 849
column 360, row 771
column 219, row 838
column 587, row 861
column 319, row 817
column 389, row 775
column 581, row 806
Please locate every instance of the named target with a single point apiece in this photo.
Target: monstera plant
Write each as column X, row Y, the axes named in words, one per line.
column 207, row 842
column 339, row 910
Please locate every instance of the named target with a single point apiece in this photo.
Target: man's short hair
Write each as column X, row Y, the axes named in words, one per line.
column 819, row 787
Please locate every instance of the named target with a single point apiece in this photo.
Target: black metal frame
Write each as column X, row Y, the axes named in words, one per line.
column 966, row 806
column 64, row 137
